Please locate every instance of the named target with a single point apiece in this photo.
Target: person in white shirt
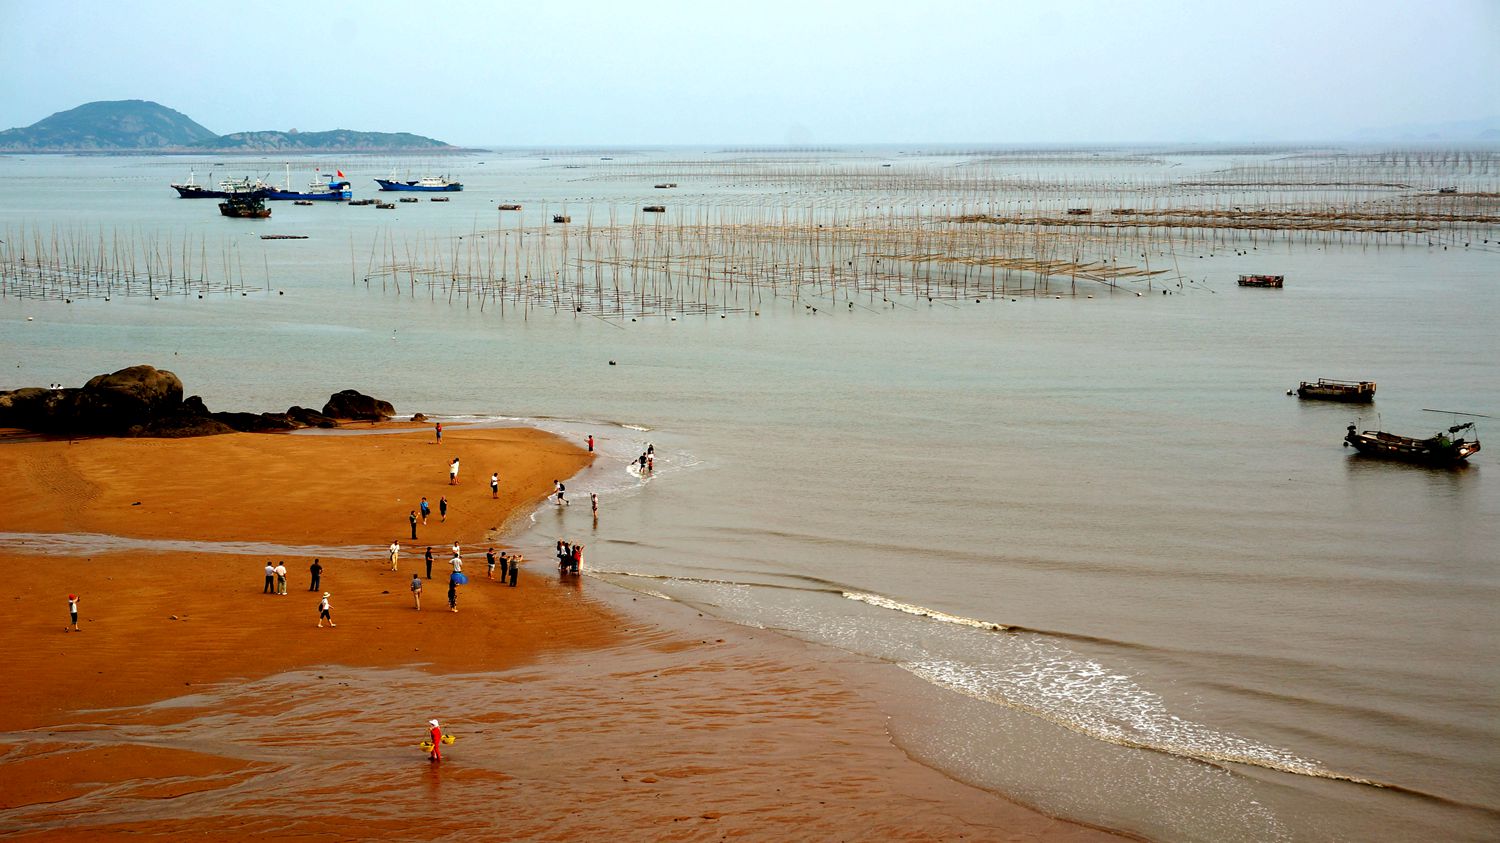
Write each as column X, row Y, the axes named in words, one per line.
column 325, row 612
column 453, row 472
column 270, row 579
column 395, row 552
column 280, row 578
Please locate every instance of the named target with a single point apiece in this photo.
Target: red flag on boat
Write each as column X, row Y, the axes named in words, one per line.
column 340, row 172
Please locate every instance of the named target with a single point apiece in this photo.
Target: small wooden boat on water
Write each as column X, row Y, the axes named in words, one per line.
column 561, row 218
column 1273, row 281
column 1328, row 389
column 655, row 209
column 283, row 237
column 385, row 206
column 250, row 205
column 1439, row 449
column 510, row 207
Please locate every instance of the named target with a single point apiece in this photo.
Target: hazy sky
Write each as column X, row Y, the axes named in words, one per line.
column 582, row 72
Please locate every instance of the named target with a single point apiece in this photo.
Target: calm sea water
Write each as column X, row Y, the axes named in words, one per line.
column 1131, row 581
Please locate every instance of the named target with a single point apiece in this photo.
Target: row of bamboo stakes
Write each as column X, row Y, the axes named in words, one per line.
column 846, row 234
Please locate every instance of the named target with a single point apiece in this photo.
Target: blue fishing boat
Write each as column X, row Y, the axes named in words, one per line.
column 426, row 183
column 324, row 188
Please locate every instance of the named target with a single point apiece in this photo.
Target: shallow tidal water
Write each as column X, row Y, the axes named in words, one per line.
column 1132, row 581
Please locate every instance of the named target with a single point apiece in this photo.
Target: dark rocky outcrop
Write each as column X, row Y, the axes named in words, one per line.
column 307, row 417
column 145, row 401
column 256, row 422
column 353, row 404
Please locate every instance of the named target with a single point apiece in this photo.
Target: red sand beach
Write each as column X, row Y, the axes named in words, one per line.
column 191, row 704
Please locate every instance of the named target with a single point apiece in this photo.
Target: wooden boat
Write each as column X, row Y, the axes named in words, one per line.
column 510, row 207
column 437, row 199
column 1274, row 281
column 666, row 185
column 1438, row 449
column 362, row 202
column 410, row 199
column 250, row 205
column 655, row 209
column 386, row 206
column 1327, row 389
column 302, row 202
column 283, row 237
column 1080, row 212
column 561, row 218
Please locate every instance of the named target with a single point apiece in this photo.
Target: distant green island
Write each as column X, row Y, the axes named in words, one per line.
column 134, row 126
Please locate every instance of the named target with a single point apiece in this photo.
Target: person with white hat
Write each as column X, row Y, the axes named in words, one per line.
column 325, row 612
column 437, row 741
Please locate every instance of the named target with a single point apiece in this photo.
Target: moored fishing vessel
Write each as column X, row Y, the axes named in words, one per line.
column 191, row 189
column 1273, row 281
column 426, row 183
column 321, row 188
column 1439, row 449
column 1328, row 389
column 247, row 205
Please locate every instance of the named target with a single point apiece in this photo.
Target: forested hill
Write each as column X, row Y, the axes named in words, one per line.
column 144, row 126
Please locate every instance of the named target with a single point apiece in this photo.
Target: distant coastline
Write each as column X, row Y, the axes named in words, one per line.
column 141, row 127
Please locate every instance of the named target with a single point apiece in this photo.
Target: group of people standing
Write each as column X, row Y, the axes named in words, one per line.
column 276, row 584
column 569, row 557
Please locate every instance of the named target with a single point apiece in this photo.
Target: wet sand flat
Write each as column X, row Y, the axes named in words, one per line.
column 239, row 718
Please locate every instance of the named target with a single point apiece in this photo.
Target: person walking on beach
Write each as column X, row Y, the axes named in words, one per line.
column 438, row 429
column 452, row 595
column 515, row 568
column 436, row 733
column 594, row 502
column 395, row 552
column 316, row 569
column 281, row 578
column 650, row 464
column 453, row 472
column 456, row 553
column 325, row 612
column 489, row 558
column 270, row 579
column 413, row 519
column 429, row 561
column 591, row 443
column 73, row 613
column 426, row 509
column 416, row 591
column 495, row 485
column 442, row 509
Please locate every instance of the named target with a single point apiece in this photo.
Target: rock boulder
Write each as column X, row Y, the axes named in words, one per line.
column 352, row 404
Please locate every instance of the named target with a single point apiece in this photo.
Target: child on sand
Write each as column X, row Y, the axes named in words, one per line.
column 426, row 509
column 591, row 443
column 439, row 431
column 452, row 595
column 325, row 612
column 73, row 612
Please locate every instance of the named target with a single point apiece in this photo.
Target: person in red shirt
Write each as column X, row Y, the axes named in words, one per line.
column 437, row 742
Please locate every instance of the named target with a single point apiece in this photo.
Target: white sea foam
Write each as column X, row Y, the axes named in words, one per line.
column 910, row 609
